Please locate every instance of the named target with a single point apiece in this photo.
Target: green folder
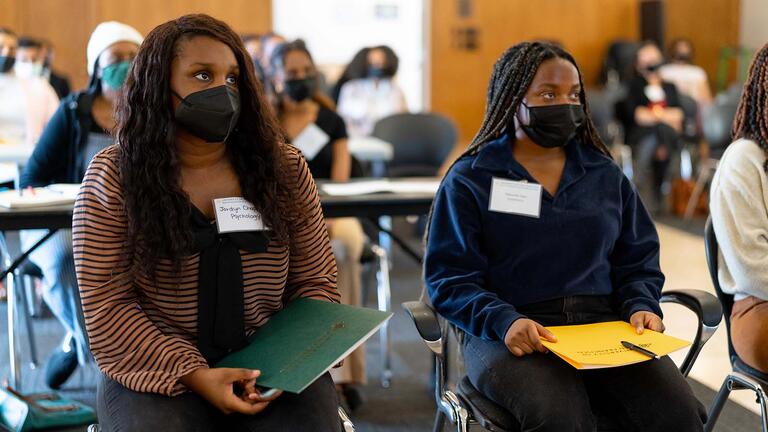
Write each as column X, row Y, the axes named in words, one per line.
column 303, row 341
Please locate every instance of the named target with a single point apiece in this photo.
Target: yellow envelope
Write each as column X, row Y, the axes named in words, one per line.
column 596, row 346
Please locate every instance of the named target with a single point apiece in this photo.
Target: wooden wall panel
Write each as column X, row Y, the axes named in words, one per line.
column 69, row 23
column 709, row 24
column 459, row 78
column 9, row 13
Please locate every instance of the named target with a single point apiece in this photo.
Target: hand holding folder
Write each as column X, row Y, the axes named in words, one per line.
column 303, row 341
column 595, row 346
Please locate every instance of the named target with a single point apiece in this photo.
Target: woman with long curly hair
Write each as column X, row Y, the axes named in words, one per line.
column 739, row 208
column 167, row 291
column 536, row 226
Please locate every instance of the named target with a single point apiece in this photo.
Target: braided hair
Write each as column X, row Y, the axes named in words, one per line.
column 512, row 75
column 751, row 120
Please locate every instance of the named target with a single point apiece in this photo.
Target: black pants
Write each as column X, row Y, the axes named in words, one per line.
column 123, row 410
column 546, row 394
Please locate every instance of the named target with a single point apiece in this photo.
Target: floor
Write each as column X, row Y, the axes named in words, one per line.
column 408, row 405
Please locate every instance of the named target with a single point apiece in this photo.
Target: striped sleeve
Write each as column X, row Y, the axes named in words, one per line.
column 312, row 267
column 128, row 347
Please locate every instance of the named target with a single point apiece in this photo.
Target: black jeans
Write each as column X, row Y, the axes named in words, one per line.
column 123, row 410
column 546, row 394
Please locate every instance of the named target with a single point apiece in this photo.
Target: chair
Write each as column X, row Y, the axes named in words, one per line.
column 420, row 142
column 618, row 62
column 466, row 406
column 743, row 376
column 376, row 255
column 602, row 106
column 716, row 127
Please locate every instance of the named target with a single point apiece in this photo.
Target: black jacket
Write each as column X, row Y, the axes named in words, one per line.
column 56, row 158
column 60, row 84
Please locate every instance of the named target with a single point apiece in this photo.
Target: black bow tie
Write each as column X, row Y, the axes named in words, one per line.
column 220, row 308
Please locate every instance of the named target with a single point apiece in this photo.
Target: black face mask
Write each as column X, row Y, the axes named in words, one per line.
column 552, row 125
column 375, row 72
column 209, row 114
column 653, row 67
column 6, row 63
column 300, row 89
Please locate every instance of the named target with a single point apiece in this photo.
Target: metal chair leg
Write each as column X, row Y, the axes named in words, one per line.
column 346, row 423
column 384, row 303
column 717, row 405
column 459, row 415
column 13, row 348
column 23, row 309
column 737, row 381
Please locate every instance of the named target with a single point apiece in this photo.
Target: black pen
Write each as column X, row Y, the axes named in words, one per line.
column 641, row 350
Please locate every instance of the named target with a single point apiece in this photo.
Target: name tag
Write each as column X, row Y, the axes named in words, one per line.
column 310, row 141
column 515, row 197
column 236, row 214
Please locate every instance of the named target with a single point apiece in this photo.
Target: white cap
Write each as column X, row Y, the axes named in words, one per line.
column 106, row 34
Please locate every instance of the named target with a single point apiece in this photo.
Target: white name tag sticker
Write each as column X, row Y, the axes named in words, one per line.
column 236, row 214
column 515, row 197
column 311, row 140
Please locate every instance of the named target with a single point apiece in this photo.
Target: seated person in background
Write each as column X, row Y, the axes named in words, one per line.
column 269, row 42
column 26, row 104
column 29, row 60
column 79, row 129
column 34, row 58
column 655, row 120
column 739, row 208
column 147, row 248
column 59, row 82
column 587, row 252
column 253, row 46
column 689, row 79
column 315, row 129
column 364, row 101
column 355, row 69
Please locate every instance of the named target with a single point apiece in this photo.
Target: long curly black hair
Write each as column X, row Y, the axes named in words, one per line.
column 158, row 210
column 751, row 120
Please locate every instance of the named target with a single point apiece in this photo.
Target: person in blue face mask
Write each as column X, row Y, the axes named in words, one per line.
column 536, row 226
column 80, row 128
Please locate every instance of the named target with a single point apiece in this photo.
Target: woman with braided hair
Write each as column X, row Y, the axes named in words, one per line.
column 536, row 226
column 739, row 208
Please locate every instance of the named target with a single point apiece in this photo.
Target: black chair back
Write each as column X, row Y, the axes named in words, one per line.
column 691, row 129
column 602, row 103
column 726, row 300
column 716, row 126
column 421, row 142
column 619, row 61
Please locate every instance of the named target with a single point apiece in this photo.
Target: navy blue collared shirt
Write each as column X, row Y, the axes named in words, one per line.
column 593, row 237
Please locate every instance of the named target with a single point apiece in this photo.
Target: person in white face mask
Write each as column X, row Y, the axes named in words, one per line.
column 29, row 58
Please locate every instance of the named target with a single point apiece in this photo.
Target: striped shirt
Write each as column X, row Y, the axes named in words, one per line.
column 143, row 334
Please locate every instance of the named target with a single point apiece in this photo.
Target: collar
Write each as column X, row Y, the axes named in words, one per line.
column 496, row 156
